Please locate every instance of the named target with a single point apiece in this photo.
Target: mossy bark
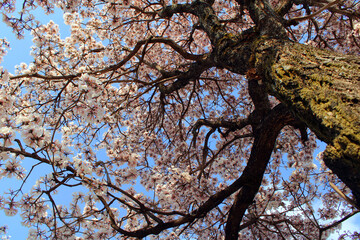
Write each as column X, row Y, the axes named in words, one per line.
column 322, row 88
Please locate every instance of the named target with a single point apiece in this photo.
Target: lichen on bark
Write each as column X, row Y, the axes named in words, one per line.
column 322, row 88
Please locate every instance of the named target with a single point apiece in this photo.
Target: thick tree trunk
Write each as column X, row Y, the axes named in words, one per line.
column 322, row 88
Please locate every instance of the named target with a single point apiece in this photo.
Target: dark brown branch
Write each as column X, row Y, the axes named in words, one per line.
column 139, row 44
column 265, row 137
column 25, row 154
column 207, row 18
column 192, row 74
column 268, row 21
column 303, row 18
column 323, row 229
column 339, row 9
column 221, row 123
column 283, row 7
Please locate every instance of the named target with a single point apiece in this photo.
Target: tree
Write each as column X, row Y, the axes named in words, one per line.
column 194, row 119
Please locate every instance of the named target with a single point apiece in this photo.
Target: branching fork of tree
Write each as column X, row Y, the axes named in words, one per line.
column 318, row 89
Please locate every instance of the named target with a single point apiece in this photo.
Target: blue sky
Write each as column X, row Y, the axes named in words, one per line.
column 20, row 52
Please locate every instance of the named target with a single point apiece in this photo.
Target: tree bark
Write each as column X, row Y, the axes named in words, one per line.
column 265, row 134
column 321, row 88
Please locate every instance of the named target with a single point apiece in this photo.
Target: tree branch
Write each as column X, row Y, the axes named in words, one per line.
column 265, row 137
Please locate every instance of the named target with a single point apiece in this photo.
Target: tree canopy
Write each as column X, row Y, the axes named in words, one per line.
column 193, row 119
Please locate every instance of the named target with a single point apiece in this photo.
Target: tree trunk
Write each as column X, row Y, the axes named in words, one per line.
column 322, row 88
